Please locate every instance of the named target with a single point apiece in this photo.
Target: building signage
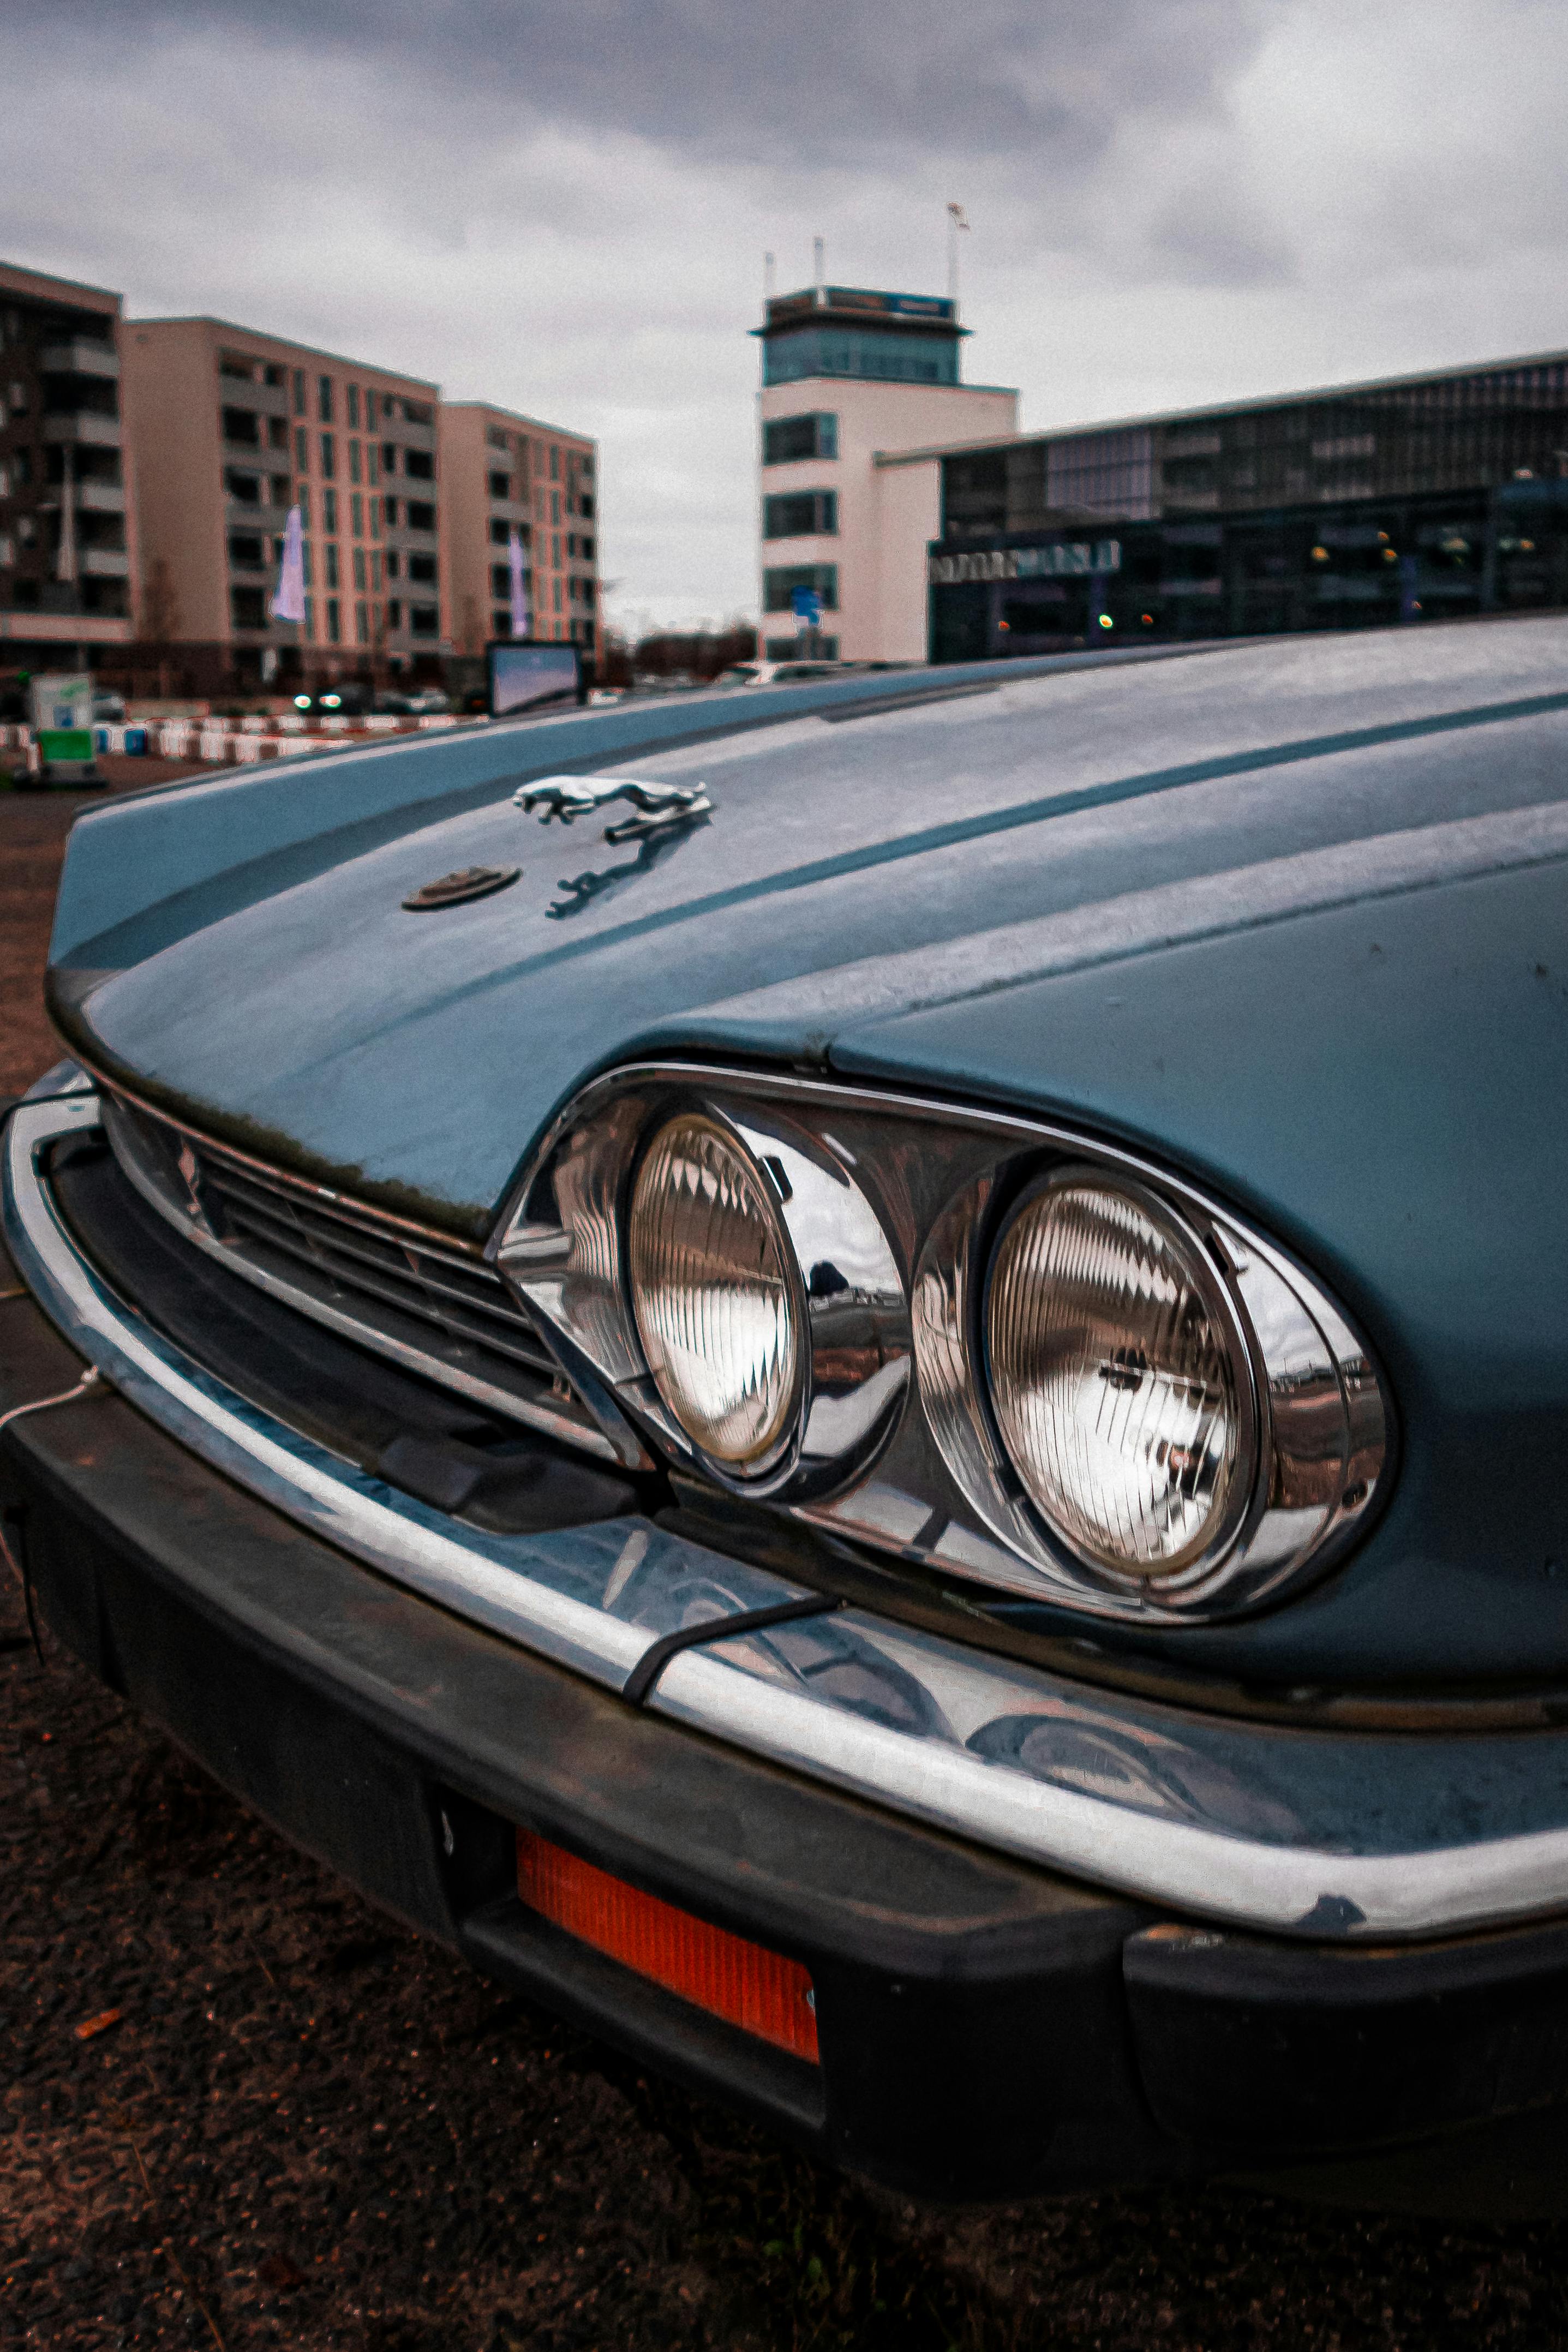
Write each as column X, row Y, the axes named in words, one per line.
column 1063, row 559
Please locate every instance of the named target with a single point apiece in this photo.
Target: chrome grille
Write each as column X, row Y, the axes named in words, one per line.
column 427, row 1300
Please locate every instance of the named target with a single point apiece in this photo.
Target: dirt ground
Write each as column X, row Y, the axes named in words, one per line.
column 33, row 829
column 238, row 2109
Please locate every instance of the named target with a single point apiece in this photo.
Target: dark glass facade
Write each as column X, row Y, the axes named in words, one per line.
column 1423, row 499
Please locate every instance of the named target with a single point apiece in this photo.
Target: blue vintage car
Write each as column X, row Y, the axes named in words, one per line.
column 869, row 1384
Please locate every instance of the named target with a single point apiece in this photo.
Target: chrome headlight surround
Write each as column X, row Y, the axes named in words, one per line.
column 896, row 1443
column 563, row 1248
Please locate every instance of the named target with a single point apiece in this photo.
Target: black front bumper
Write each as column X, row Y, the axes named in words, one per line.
column 986, row 2029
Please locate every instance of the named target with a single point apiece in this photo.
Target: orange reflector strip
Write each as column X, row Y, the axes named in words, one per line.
column 759, row 1990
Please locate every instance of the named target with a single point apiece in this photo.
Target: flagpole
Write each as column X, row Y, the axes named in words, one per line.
column 956, row 220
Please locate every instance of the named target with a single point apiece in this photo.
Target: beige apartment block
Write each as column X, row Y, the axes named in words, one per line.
column 850, row 375
column 228, row 428
column 500, row 473
column 68, row 526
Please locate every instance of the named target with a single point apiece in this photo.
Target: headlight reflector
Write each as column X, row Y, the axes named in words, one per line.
column 710, row 1276
column 1113, row 1378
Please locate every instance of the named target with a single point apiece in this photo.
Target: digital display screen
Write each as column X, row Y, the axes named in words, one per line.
column 532, row 677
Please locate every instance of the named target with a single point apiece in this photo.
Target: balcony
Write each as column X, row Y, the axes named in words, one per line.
column 412, row 437
column 81, row 356
column 87, row 498
column 516, row 511
column 264, row 399
column 238, row 514
column 104, row 563
column 82, row 428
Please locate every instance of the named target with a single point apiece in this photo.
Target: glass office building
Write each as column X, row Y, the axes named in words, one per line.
column 1417, row 498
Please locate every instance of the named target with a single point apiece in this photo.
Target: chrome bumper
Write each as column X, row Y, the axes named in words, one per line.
column 1329, row 1835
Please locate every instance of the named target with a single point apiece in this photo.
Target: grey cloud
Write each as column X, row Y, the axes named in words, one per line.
column 808, row 81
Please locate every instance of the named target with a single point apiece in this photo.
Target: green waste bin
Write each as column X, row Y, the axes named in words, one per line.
column 65, row 755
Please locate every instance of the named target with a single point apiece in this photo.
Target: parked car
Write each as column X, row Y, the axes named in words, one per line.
column 884, row 1413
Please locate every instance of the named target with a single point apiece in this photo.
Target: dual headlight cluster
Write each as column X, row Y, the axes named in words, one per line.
column 973, row 1341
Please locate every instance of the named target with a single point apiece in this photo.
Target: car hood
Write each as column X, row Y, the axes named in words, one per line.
column 1291, row 918
column 984, row 851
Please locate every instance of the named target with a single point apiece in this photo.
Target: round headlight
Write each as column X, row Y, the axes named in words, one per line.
column 1114, row 1379
column 709, row 1271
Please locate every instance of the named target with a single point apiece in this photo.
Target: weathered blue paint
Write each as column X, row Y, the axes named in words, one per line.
column 173, row 838
column 1078, row 895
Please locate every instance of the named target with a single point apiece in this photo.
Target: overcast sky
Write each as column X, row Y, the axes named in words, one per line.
column 564, row 204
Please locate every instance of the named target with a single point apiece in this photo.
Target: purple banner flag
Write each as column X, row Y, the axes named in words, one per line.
column 289, row 603
column 519, row 594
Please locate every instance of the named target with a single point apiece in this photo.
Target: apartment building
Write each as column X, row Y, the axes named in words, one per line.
column 500, row 473
column 228, row 428
column 849, row 374
column 67, row 544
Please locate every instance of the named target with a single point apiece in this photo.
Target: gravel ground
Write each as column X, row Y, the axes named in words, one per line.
column 239, row 2108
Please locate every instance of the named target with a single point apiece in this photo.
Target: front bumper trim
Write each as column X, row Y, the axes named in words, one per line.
column 1222, row 1820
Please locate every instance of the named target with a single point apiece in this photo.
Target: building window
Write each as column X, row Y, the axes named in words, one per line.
column 352, row 397
column 423, row 569
column 302, row 500
column 500, row 533
column 307, row 553
column 354, row 461
column 329, row 457
column 372, row 463
column 356, row 514
column 248, row 607
column 779, row 585
column 362, row 625
column 801, row 514
column 375, row 569
column 277, row 432
column 324, row 398
column 247, row 550
column 310, row 617
column 555, row 509
column 389, row 457
column 393, row 610
column 554, row 463
column 424, row 620
column 494, row 437
column 859, row 351
column 420, row 464
column 299, row 392
column 243, row 426
column 372, row 405
column 500, row 580
column 330, row 552
column 555, row 553
column 501, row 622
column 556, row 599
column 500, row 486
column 420, row 517
column 328, row 510
column 394, row 563
column 359, row 570
column 788, row 439
column 376, row 518
column 334, row 621
column 302, row 450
